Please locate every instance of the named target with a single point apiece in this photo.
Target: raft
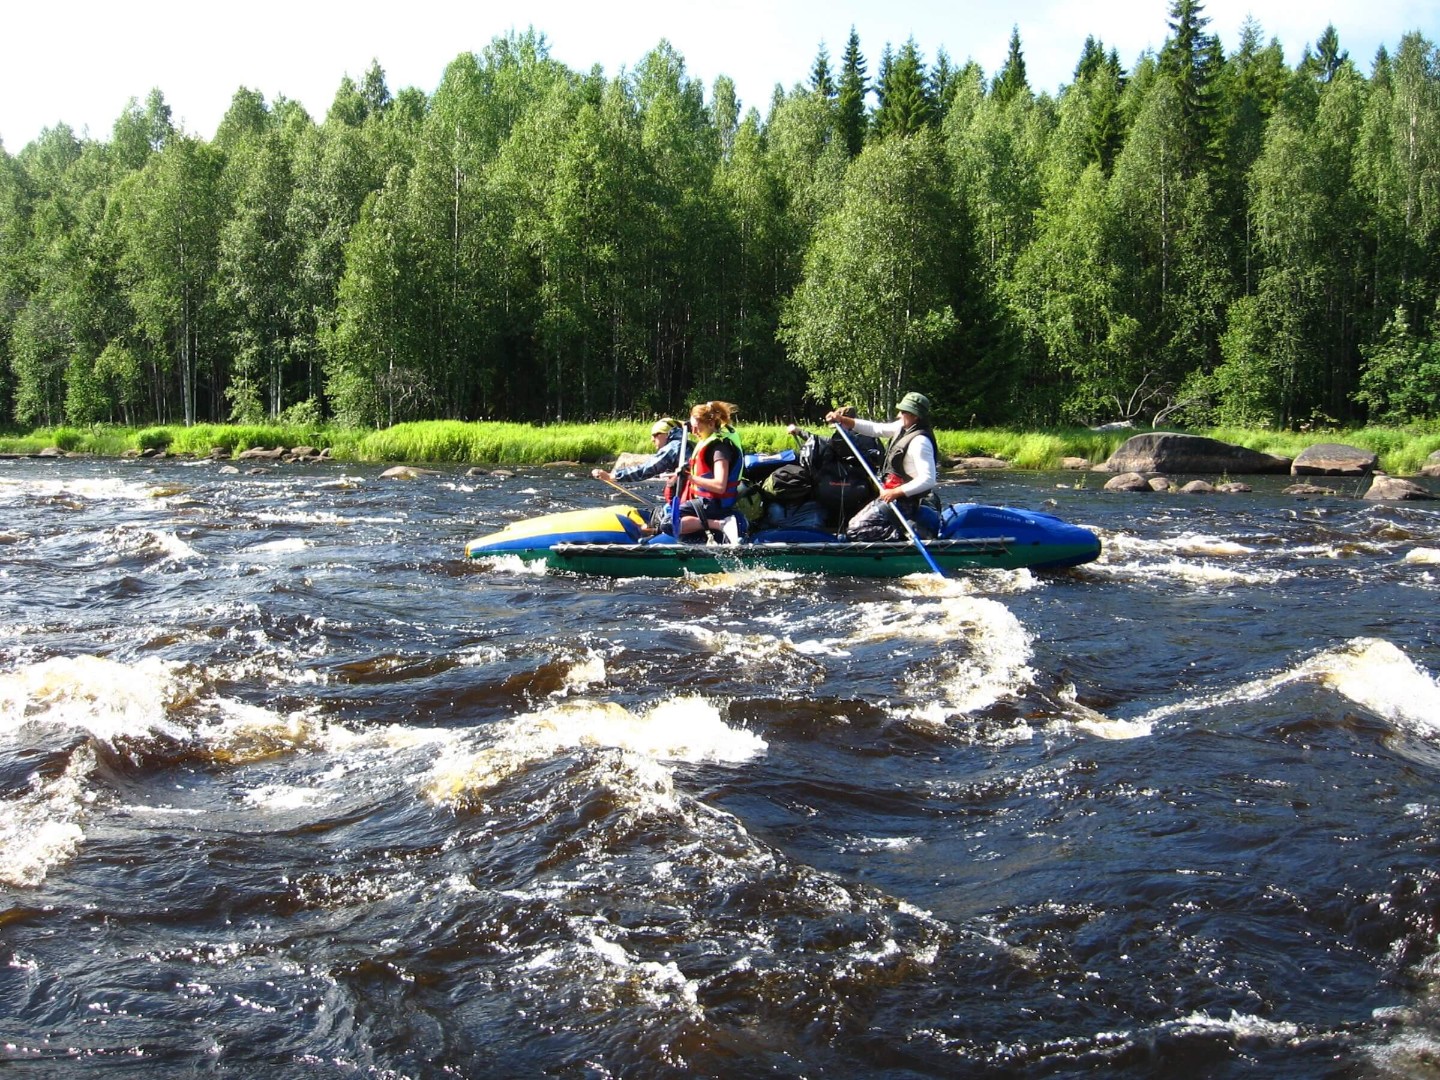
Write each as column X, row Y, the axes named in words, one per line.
column 611, row 542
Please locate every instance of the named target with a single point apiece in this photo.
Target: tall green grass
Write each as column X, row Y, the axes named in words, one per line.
column 1401, row 451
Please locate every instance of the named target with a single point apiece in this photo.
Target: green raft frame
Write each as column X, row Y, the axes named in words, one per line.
column 875, row 560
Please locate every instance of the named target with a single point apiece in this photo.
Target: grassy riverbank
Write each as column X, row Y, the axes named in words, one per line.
column 1402, row 451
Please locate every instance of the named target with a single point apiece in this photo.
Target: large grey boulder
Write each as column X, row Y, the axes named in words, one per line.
column 1432, row 465
column 1171, row 452
column 1334, row 459
column 1393, row 489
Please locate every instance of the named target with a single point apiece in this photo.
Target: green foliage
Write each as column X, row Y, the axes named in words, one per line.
column 303, row 414
column 1401, row 380
column 67, row 438
column 154, row 438
column 1210, row 236
column 876, row 301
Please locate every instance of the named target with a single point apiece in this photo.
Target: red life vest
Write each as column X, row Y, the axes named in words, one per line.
column 702, row 465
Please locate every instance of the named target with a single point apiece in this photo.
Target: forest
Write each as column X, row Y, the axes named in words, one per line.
column 1209, row 237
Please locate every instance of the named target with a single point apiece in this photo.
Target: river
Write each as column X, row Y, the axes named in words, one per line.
column 289, row 788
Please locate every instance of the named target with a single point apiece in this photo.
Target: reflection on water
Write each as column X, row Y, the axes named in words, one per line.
column 286, row 784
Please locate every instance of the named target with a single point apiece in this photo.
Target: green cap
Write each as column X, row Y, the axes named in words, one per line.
column 915, row 404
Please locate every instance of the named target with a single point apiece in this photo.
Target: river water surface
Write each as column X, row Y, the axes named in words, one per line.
column 288, row 788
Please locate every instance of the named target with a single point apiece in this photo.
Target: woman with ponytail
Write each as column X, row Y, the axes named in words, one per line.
column 712, row 476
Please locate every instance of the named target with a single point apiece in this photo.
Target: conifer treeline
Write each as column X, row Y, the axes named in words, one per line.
column 1211, row 237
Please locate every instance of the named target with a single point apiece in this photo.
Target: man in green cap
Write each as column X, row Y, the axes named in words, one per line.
column 909, row 471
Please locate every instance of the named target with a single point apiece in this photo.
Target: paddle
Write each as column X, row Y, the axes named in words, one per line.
column 675, row 486
column 900, row 517
column 624, row 491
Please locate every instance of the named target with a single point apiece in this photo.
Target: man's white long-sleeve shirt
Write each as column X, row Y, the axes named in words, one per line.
column 919, row 455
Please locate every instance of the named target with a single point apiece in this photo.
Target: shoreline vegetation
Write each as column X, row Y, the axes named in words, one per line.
column 1402, row 451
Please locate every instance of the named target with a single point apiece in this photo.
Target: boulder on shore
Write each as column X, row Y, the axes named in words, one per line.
column 1334, row 459
column 1432, row 465
column 982, row 463
column 1172, row 452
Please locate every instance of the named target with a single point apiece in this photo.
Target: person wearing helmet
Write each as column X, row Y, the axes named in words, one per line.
column 910, row 470
column 665, row 434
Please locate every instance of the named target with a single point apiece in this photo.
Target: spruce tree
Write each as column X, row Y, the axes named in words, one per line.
column 1011, row 80
column 851, row 101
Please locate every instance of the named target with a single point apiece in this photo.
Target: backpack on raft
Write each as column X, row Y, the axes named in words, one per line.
column 790, row 483
column 840, row 482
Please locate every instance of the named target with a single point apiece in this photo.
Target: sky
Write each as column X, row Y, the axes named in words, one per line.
column 81, row 61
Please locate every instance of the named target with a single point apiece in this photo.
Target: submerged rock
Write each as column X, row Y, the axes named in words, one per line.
column 1130, row 481
column 406, row 472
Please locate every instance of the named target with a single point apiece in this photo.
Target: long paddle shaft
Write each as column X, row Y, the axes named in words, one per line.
column 899, row 516
column 624, row 491
column 675, row 486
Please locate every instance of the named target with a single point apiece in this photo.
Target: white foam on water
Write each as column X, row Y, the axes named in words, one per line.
column 173, row 548
column 236, row 733
column 587, row 671
column 276, row 547
column 45, row 826
column 677, row 729
column 110, row 700
column 1373, row 673
column 125, row 541
column 986, row 651
column 979, row 582
column 1102, row 727
column 320, row 517
column 1201, row 575
column 1378, row 676
column 512, row 564
column 758, row 581
column 1423, row 556
column 91, row 489
column 1244, row 1025
column 477, row 655
column 1127, row 546
column 289, row 797
column 1085, row 719
column 103, row 699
